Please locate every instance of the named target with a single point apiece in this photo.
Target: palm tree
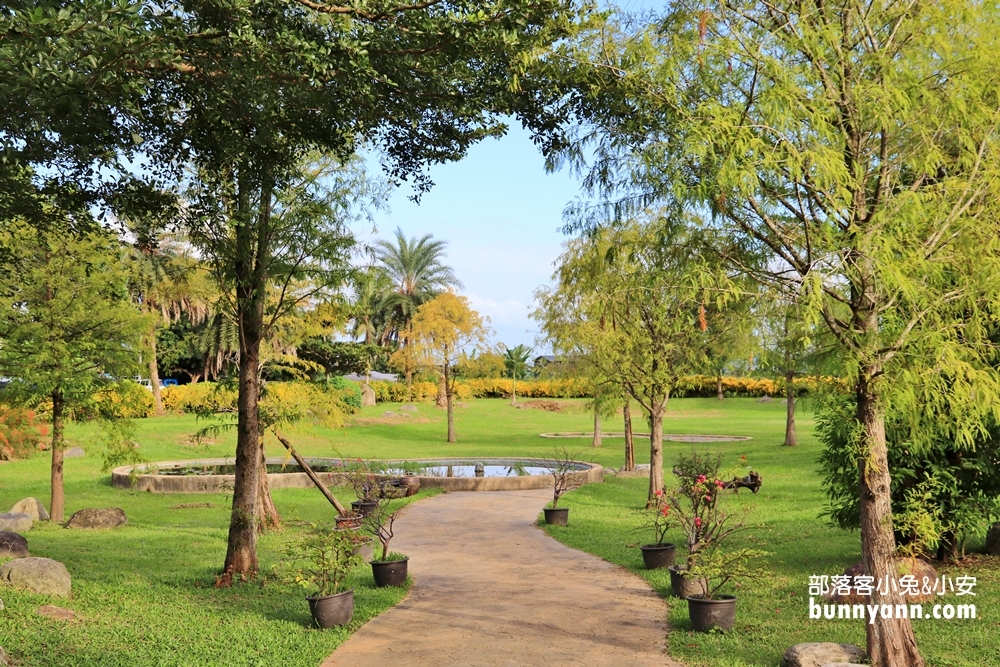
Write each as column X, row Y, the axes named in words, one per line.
column 416, row 267
column 370, row 308
column 166, row 279
column 515, row 359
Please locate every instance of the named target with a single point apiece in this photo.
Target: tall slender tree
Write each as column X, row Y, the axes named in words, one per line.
column 67, row 324
column 856, row 144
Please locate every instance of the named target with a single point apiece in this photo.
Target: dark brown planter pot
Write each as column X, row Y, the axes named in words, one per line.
column 682, row 585
column 557, row 516
column 717, row 614
column 655, row 556
column 332, row 610
column 365, row 507
column 390, row 572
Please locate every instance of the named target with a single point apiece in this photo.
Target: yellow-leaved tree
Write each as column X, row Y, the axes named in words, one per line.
column 441, row 330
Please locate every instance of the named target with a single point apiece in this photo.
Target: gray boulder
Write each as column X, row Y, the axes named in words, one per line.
column 765, row 399
column 409, row 408
column 389, row 413
column 821, row 654
column 845, row 664
column 993, row 540
column 13, row 545
column 74, row 453
column 32, row 507
column 98, row 517
column 15, row 523
column 38, row 575
column 4, row 660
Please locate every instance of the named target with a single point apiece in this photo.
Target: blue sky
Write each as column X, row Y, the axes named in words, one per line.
column 500, row 213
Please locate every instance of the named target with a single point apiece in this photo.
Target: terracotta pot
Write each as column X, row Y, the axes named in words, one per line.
column 716, row 614
column 332, row 610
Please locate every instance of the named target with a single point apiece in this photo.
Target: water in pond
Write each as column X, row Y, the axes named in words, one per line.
column 445, row 468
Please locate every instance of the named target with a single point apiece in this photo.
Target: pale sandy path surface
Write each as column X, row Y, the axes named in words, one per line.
column 491, row 589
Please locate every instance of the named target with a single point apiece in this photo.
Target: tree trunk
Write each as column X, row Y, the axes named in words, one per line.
column 629, row 445
column 890, row 640
column 655, row 451
column 513, row 390
column 719, row 394
column 790, row 440
column 448, row 400
column 154, row 373
column 598, row 436
column 267, row 514
column 241, row 554
column 57, row 509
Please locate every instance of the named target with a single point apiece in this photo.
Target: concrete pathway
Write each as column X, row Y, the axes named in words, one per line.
column 491, row 589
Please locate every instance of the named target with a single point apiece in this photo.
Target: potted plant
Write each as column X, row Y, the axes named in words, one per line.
column 704, row 521
column 710, row 610
column 390, row 568
column 319, row 562
column 658, row 554
column 365, row 484
column 561, row 468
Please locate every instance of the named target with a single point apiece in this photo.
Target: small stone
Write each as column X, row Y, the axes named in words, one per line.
column 32, row 507
column 845, row 664
column 58, row 613
column 98, row 517
column 1, row 609
column 74, row 453
column 38, row 575
column 13, row 545
column 15, row 523
column 389, row 413
column 993, row 540
column 408, row 408
column 820, row 654
column 765, row 399
column 4, row 660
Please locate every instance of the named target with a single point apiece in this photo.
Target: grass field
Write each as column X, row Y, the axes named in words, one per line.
column 145, row 596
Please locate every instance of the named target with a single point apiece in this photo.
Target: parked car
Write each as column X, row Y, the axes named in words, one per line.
column 169, row 382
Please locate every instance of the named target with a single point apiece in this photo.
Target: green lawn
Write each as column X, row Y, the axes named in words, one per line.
column 145, row 597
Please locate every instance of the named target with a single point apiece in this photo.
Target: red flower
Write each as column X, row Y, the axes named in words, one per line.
column 665, row 511
column 697, row 521
column 701, row 479
column 719, row 483
column 657, row 493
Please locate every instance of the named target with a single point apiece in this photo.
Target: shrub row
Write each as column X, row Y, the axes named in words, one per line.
column 692, row 385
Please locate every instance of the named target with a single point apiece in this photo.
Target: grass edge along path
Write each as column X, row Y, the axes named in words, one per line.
column 772, row 614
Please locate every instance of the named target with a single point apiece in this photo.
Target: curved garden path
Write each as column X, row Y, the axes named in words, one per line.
column 491, row 589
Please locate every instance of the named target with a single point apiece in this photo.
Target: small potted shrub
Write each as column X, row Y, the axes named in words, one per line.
column 561, row 468
column 710, row 610
column 365, row 484
column 390, row 568
column 319, row 562
column 696, row 508
column 658, row 554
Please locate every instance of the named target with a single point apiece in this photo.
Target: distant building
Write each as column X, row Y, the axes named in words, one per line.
column 545, row 359
column 388, row 377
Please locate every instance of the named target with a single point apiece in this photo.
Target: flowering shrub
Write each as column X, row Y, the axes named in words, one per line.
column 705, row 522
column 659, row 518
column 20, row 433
